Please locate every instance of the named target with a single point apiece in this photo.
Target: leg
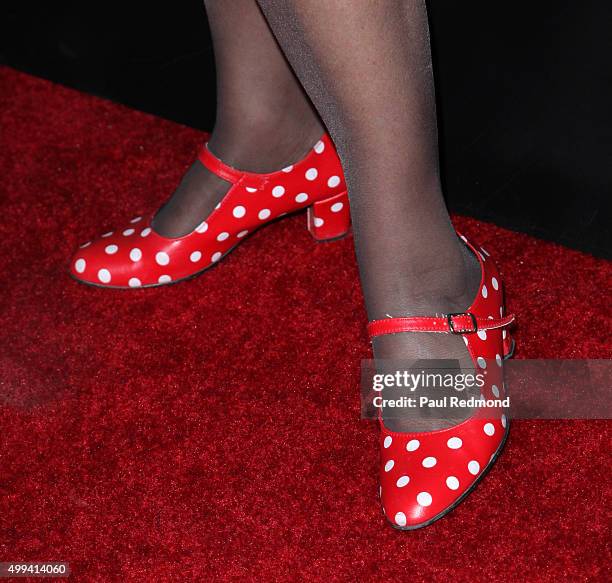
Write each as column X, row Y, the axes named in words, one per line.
column 367, row 67
column 264, row 119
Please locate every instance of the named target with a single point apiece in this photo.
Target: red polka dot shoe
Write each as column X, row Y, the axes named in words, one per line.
column 423, row 476
column 136, row 256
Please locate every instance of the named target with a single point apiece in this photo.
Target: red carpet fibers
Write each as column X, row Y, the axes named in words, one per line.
column 210, row 430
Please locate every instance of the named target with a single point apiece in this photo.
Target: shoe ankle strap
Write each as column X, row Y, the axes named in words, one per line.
column 456, row 323
column 233, row 175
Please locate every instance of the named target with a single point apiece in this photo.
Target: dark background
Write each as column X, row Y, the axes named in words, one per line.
column 524, row 89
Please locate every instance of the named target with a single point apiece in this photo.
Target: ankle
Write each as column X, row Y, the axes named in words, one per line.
column 259, row 144
column 446, row 284
column 450, row 287
column 264, row 143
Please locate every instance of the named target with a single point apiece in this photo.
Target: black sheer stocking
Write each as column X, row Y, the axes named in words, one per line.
column 367, row 68
column 264, row 121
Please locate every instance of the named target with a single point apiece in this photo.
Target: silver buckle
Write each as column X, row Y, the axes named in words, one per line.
column 451, row 325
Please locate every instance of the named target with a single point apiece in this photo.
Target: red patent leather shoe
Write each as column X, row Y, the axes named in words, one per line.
column 136, row 256
column 424, row 475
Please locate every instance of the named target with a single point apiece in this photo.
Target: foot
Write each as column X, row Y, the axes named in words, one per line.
column 136, row 256
column 454, row 292
column 258, row 150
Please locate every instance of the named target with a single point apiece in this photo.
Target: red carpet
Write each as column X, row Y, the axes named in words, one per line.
column 210, row 430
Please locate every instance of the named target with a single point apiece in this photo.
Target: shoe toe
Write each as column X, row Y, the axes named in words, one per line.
column 423, row 476
column 116, row 259
column 420, row 502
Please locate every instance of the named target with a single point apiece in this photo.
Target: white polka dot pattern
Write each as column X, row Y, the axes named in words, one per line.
column 429, row 462
column 402, row 481
column 452, row 482
column 315, row 182
column 162, row 258
column 413, row 445
column 239, row 211
column 443, row 465
column 311, row 174
column 454, row 442
column 424, row 499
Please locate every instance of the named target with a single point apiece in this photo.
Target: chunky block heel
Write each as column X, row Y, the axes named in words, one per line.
column 329, row 218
